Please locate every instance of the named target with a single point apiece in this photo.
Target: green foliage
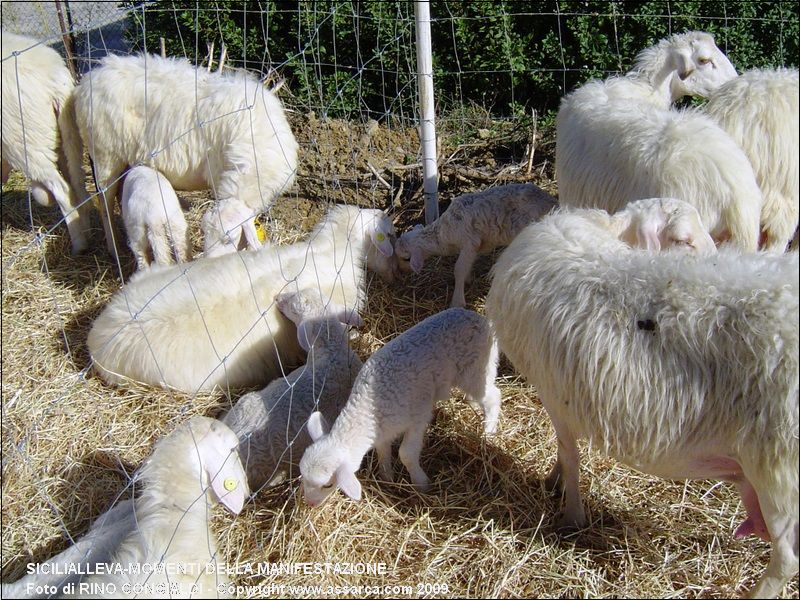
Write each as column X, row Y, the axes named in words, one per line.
column 356, row 59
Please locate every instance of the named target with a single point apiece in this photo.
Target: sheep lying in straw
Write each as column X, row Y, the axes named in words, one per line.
column 38, row 129
column 271, row 423
column 759, row 109
column 153, row 218
column 201, row 130
column 395, row 394
column 214, row 322
column 681, row 365
column 474, row 223
column 166, row 527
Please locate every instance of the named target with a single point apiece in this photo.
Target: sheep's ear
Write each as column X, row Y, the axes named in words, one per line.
column 305, row 334
column 317, row 425
column 416, row 260
column 348, row 483
column 225, row 472
column 684, row 66
column 647, row 235
column 251, row 234
column 382, row 242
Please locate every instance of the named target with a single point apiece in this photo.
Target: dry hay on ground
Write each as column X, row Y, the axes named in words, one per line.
column 70, row 443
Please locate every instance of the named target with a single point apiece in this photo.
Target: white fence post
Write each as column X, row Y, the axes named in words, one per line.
column 427, row 130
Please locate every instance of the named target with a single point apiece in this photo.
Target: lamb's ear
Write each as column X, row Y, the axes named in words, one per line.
column 225, row 472
column 416, row 260
column 348, row 316
column 317, row 425
column 306, row 333
column 382, row 242
column 348, row 483
column 647, row 235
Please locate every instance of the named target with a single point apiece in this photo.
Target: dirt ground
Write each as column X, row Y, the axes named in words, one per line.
column 71, row 442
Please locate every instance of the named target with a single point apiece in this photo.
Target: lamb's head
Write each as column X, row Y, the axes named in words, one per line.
column 686, row 64
column 660, row 223
column 200, row 456
column 229, row 226
column 380, row 253
column 325, row 467
column 412, row 249
column 316, row 315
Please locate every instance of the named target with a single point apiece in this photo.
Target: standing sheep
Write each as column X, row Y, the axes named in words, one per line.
column 38, row 129
column 618, row 141
column 395, row 394
column 201, row 130
column 759, row 109
column 165, row 531
column 474, row 223
column 680, row 365
column 214, row 322
column 153, row 218
column 271, row 423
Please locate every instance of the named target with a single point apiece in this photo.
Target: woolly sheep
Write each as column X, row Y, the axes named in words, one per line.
column 618, row 141
column 474, row 223
column 271, row 423
column 759, row 109
column 395, row 394
column 223, row 327
column 680, row 365
column 229, row 227
column 201, row 130
column 38, row 129
column 168, row 524
column 153, row 218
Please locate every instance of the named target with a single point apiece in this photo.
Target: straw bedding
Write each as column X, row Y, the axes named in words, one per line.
column 71, row 442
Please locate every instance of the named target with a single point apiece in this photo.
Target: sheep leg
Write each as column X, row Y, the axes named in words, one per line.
column 6, row 171
column 108, row 185
column 553, row 481
column 461, row 271
column 783, row 563
column 74, row 218
column 568, row 466
column 411, row 448
column 384, row 451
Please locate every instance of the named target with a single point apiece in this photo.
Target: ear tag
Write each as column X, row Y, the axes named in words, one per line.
column 261, row 232
column 380, row 236
column 230, row 484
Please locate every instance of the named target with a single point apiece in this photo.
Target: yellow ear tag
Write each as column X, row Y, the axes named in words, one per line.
column 230, row 484
column 261, row 232
column 380, row 236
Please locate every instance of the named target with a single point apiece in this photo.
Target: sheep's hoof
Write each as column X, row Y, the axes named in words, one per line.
column 423, row 486
column 571, row 523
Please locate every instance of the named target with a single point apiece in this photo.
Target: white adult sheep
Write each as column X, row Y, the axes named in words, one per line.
column 271, row 423
column 229, row 227
column 213, row 321
column 474, row 223
column 164, row 531
column 759, row 109
column 681, row 365
column 153, row 218
column 39, row 136
column 617, row 140
column 395, row 394
column 201, row 130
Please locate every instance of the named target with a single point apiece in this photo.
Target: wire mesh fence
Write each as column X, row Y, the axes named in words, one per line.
column 75, row 432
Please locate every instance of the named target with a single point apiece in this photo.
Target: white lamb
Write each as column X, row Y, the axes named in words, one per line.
column 229, row 226
column 618, row 141
column 39, row 136
column 166, row 528
column 213, row 322
column 680, row 365
column 474, row 223
column 153, row 218
column 395, row 394
column 271, row 423
column 201, row 130
column 759, row 109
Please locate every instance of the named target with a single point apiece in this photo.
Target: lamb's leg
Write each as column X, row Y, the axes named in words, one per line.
column 569, row 469
column 782, row 523
column 384, row 451
column 108, row 184
column 461, row 270
column 411, row 448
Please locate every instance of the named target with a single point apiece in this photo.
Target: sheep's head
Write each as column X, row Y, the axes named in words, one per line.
column 324, row 467
column 660, row 223
column 380, row 254
column 690, row 64
column 410, row 252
